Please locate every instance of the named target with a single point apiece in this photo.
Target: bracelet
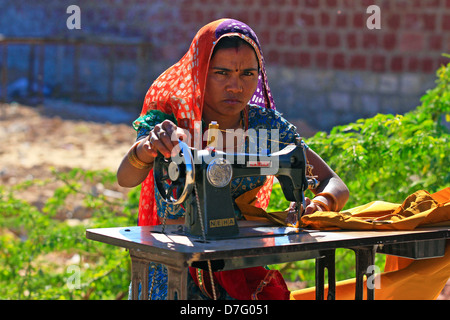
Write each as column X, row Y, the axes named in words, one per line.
column 325, row 194
column 134, row 160
column 323, row 205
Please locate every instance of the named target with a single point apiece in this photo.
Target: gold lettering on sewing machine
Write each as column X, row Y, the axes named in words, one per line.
column 217, row 223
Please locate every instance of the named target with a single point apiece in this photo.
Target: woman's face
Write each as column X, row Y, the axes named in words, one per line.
column 231, row 82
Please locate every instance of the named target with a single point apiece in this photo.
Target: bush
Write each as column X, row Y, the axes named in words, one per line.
column 45, row 256
column 386, row 157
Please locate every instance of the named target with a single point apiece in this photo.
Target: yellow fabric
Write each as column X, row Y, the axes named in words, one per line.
column 402, row 278
column 246, row 203
column 418, row 210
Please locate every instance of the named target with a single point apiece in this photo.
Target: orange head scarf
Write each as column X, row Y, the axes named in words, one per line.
column 180, row 90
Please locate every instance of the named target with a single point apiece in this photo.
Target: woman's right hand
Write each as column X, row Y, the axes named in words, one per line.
column 164, row 139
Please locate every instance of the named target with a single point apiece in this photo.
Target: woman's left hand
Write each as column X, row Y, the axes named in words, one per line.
column 311, row 207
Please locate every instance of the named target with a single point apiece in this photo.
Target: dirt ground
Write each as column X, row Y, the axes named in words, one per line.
column 36, row 138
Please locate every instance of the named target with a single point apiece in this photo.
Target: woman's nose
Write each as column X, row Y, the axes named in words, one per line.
column 235, row 85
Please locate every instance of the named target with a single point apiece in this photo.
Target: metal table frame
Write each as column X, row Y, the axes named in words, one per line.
column 259, row 245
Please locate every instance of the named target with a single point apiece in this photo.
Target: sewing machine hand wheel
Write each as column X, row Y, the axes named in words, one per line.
column 174, row 177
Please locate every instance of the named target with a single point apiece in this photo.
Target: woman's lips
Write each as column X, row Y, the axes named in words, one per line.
column 232, row 101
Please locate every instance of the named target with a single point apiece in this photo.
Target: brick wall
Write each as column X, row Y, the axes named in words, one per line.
column 332, row 34
column 325, row 66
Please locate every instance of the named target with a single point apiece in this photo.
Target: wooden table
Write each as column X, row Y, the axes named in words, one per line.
column 261, row 244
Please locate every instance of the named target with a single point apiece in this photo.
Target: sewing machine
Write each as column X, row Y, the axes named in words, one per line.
column 200, row 181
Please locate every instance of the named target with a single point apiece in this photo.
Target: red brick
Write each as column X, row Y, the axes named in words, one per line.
column 312, row 3
column 281, row 37
column 435, row 42
column 433, row 3
column 324, row 19
column 412, row 42
column 331, row 3
column 289, row 19
column 186, row 16
column 370, row 40
column 366, row 3
column 257, row 16
column 350, row 3
column 296, row 39
column 321, row 59
column 411, row 21
column 313, row 39
column 358, row 20
column 198, row 15
column 447, row 4
column 413, row 64
column 397, row 64
column 290, row 59
column 446, row 22
column 393, row 21
column 243, row 16
column 358, row 62
column 415, row 3
column 339, row 61
column 265, row 37
column 273, row 56
column 308, row 19
column 352, row 40
column 429, row 21
column 378, row 63
column 389, row 41
column 273, row 17
column 427, row 65
column 305, row 60
column 341, row 20
column 332, row 40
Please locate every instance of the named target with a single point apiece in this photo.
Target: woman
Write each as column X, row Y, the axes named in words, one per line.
column 221, row 78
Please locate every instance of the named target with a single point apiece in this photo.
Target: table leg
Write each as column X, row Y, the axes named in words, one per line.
column 177, row 276
column 365, row 259
column 177, row 283
column 327, row 260
column 139, row 278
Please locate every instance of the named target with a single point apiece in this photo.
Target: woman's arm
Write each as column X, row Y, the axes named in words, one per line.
column 332, row 193
column 138, row 161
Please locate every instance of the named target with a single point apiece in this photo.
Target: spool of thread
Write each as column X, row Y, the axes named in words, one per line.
column 213, row 131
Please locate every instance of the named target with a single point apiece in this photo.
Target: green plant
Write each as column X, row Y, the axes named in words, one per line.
column 46, row 257
column 386, row 157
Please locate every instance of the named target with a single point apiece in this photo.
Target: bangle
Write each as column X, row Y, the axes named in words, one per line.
column 325, row 194
column 134, row 160
column 323, row 205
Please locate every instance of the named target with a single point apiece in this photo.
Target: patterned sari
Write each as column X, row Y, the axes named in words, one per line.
column 179, row 91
